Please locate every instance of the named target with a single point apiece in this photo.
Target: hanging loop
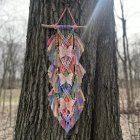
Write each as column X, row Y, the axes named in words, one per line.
column 62, row 15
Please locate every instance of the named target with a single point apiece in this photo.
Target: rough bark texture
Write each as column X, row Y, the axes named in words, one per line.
column 100, row 118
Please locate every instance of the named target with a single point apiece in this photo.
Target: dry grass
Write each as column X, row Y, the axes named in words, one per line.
column 7, row 123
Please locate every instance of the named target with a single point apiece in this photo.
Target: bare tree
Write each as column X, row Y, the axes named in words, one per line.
column 10, row 63
column 131, row 113
column 126, row 61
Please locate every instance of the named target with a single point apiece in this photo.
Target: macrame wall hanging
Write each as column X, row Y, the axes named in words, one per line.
column 65, row 73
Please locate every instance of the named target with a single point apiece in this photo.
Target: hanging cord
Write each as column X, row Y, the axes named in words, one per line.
column 72, row 17
column 62, row 15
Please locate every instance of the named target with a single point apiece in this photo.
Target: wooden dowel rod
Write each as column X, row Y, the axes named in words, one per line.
column 53, row 26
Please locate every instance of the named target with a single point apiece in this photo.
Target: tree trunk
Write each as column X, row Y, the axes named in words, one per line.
column 100, row 117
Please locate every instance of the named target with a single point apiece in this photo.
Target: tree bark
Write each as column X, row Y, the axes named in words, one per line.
column 100, row 117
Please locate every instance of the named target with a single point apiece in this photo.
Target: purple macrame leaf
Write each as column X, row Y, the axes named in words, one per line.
column 66, row 88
